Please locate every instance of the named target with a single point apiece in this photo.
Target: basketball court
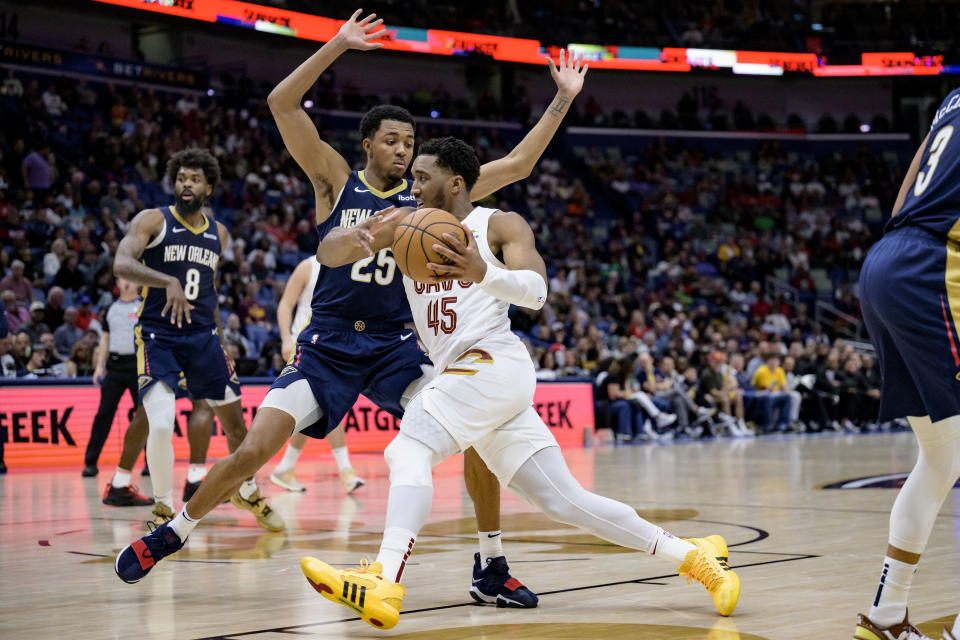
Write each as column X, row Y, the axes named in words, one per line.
column 808, row 555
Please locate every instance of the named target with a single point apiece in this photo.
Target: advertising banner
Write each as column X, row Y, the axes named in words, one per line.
column 50, row 425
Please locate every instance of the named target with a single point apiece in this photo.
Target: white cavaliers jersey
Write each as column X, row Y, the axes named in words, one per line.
column 452, row 317
column 302, row 314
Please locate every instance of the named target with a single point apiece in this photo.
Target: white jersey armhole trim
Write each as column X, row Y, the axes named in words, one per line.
column 160, row 236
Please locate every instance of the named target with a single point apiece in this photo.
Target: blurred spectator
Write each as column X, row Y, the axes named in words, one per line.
column 35, row 325
column 16, row 314
column 18, row 284
column 67, row 334
column 81, row 362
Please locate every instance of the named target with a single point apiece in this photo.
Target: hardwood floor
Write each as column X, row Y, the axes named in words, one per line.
column 809, row 558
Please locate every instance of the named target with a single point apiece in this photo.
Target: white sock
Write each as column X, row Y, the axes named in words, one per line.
column 196, row 473
column 955, row 632
column 248, row 488
column 890, row 605
column 183, row 524
column 491, row 545
column 342, row 456
column 121, row 478
column 394, row 550
column 290, row 457
column 671, row 548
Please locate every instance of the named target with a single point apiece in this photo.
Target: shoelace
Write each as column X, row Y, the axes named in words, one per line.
column 704, row 571
column 363, row 568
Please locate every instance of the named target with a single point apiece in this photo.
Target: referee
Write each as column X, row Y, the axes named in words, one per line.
column 117, row 355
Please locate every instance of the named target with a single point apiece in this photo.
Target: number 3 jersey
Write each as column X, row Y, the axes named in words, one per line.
column 452, row 317
column 190, row 254
column 933, row 200
column 368, row 292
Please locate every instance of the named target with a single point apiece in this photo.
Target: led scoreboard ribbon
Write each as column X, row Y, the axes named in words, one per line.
column 455, row 43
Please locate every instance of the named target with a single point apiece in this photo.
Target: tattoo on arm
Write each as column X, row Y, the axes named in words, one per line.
column 558, row 106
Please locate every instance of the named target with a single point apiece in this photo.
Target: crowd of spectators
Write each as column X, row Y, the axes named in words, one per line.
column 837, row 30
column 657, row 260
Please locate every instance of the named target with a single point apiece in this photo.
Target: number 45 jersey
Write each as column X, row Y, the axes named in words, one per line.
column 933, row 200
column 369, row 292
column 190, row 254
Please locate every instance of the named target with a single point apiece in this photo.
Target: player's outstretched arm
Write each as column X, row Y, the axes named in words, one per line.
column 910, row 177
column 347, row 245
column 326, row 168
column 146, row 226
column 291, row 293
column 523, row 282
column 518, row 164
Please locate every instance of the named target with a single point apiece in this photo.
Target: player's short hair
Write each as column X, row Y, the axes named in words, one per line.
column 372, row 119
column 456, row 155
column 194, row 158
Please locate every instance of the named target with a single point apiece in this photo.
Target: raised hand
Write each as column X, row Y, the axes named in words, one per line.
column 569, row 75
column 360, row 34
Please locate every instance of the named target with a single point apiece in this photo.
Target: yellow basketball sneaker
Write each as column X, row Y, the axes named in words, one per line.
column 364, row 590
column 707, row 564
column 162, row 513
column 266, row 517
column 351, row 481
column 867, row 630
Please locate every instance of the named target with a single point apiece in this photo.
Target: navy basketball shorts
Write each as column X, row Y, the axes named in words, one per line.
column 340, row 363
column 163, row 355
column 910, row 296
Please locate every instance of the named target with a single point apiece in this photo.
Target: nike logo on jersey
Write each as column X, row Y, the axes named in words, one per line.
column 178, row 229
column 406, row 337
column 359, row 190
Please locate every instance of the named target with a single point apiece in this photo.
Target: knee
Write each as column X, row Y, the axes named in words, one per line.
column 409, row 462
column 248, row 458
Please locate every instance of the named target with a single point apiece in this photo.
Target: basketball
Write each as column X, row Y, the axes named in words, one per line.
column 415, row 236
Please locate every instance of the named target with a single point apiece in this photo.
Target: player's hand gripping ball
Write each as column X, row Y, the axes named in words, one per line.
column 415, row 236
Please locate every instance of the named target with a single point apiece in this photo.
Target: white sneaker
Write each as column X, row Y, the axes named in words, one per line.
column 744, row 430
column 351, row 481
column 287, row 481
column 665, row 419
column 649, row 431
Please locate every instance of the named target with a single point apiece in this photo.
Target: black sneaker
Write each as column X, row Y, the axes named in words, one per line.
column 124, row 497
column 493, row 584
column 89, row 471
column 136, row 559
column 190, row 488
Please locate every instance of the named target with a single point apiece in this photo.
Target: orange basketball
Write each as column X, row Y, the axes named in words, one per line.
column 415, row 236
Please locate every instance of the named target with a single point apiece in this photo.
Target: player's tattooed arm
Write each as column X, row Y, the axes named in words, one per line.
column 146, row 226
column 518, row 164
column 347, row 245
column 326, row 169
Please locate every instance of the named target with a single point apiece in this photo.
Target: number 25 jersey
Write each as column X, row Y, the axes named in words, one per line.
column 369, row 291
column 190, row 254
column 933, row 200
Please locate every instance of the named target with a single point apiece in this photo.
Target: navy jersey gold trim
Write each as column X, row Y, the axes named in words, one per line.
column 190, row 254
column 369, row 292
column 932, row 202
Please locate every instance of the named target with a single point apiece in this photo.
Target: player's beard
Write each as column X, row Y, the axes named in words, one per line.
column 189, row 207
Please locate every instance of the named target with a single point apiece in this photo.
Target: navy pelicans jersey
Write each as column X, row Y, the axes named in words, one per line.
column 191, row 255
column 933, row 200
column 370, row 290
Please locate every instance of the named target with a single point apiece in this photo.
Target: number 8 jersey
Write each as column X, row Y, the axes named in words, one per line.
column 933, row 200
column 190, row 254
column 368, row 292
